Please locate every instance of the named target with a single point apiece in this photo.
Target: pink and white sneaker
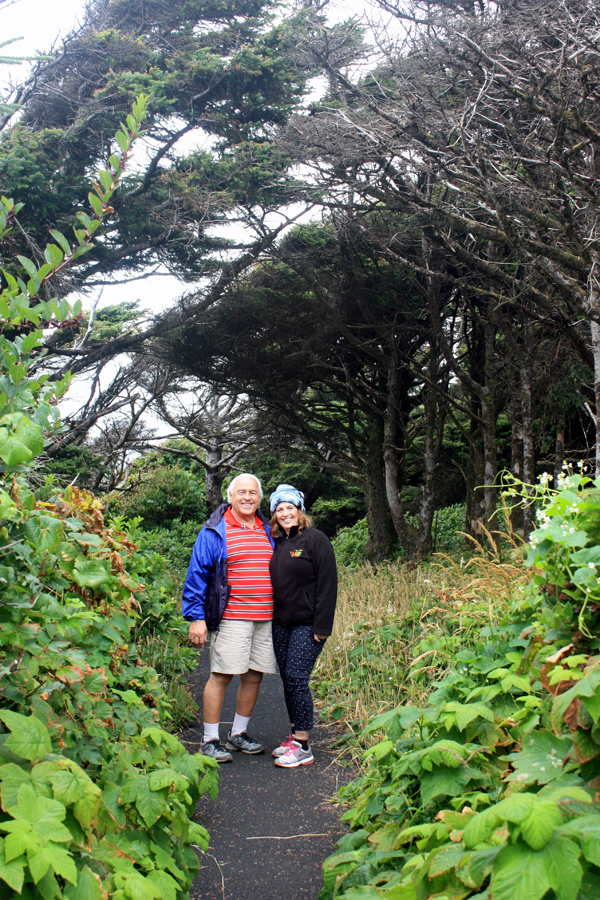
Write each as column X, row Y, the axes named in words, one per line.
column 284, row 746
column 295, row 757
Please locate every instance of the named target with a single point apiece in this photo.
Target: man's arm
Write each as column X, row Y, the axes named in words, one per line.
column 196, row 585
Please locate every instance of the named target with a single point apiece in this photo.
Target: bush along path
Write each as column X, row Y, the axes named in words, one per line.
column 95, row 798
column 270, row 828
column 490, row 788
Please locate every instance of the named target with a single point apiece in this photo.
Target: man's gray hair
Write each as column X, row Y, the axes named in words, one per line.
column 231, row 487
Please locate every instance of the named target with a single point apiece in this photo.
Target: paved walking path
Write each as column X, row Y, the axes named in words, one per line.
column 259, row 804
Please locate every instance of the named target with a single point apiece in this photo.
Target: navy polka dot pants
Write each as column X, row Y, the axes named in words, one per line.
column 296, row 652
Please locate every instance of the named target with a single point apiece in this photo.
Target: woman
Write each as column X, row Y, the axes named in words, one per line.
column 304, row 578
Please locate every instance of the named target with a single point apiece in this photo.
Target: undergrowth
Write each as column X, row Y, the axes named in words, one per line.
column 482, row 781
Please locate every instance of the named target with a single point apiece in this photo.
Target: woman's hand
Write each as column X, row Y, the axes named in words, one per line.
column 320, row 637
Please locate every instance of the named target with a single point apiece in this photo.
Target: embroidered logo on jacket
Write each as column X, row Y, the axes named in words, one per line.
column 295, row 552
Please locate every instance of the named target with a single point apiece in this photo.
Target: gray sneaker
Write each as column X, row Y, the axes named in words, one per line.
column 244, row 743
column 216, row 750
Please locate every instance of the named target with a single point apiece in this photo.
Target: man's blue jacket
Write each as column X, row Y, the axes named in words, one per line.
column 206, row 592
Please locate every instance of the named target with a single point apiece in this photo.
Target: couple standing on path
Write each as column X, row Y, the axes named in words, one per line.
column 265, row 593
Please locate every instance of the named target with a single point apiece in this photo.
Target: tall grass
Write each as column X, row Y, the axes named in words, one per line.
column 398, row 628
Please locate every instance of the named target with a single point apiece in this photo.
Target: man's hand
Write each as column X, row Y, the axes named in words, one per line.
column 198, row 633
column 320, row 637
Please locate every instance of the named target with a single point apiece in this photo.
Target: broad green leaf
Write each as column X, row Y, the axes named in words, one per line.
column 73, row 787
column 444, row 781
column 563, row 868
column 122, row 140
column 29, row 739
column 515, row 808
column 587, row 830
column 519, row 873
column 165, row 778
column 96, row 204
column 12, row 872
column 89, row 887
column 91, row 573
column 480, row 827
column 61, row 239
column 168, row 887
column 14, row 452
column 199, row 835
column 446, row 858
column 12, row 777
column 139, row 888
column 541, row 758
column 538, row 827
column 54, row 255
column 45, row 816
column 29, row 267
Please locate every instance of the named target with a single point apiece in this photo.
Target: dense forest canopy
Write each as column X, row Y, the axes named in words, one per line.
column 433, row 318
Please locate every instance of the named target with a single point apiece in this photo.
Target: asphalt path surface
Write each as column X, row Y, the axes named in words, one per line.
column 270, row 828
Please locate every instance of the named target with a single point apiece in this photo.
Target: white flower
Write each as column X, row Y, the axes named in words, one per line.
column 591, row 565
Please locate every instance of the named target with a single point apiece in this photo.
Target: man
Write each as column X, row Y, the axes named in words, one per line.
column 228, row 594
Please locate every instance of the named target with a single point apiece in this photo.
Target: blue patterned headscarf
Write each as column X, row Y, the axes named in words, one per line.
column 285, row 493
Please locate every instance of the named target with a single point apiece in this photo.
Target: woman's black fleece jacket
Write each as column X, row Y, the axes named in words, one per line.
column 304, row 578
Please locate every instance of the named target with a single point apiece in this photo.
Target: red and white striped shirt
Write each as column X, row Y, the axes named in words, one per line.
column 249, row 552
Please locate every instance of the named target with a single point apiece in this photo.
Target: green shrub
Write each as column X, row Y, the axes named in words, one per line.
column 164, row 494
column 350, row 544
column 489, row 787
column 95, row 798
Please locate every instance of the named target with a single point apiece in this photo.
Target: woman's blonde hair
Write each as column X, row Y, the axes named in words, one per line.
column 304, row 522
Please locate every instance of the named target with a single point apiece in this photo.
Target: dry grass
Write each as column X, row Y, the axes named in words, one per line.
column 398, row 628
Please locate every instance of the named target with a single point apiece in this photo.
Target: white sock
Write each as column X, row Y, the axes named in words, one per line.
column 211, row 731
column 240, row 724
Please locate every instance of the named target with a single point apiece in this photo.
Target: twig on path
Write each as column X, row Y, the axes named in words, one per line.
column 288, row 837
column 209, row 856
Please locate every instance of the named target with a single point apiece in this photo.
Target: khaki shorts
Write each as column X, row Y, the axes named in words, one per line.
column 239, row 645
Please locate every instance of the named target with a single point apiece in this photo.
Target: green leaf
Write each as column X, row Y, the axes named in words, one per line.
column 563, row 868
column 29, row 739
column 199, row 835
column 167, row 886
column 519, row 874
column 54, row 255
column 73, row 787
column 14, row 452
column 12, row 777
column 89, row 887
column 480, row 827
column 96, row 204
column 444, row 781
column 540, row 759
column 12, row 872
column 122, row 140
column 538, row 827
column 587, row 830
column 29, row 267
column 61, row 239
column 515, row 808
column 43, row 815
column 166, row 778
column 91, row 573
column 139, row 888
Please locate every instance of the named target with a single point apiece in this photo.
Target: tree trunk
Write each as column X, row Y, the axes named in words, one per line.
column 559, row 448
column 435, row 415
column 215, row 476
column 528, row 441
column 379, row 522
column 516, row 453
column 406, row 533
column 475, row 498
column 488, row 415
